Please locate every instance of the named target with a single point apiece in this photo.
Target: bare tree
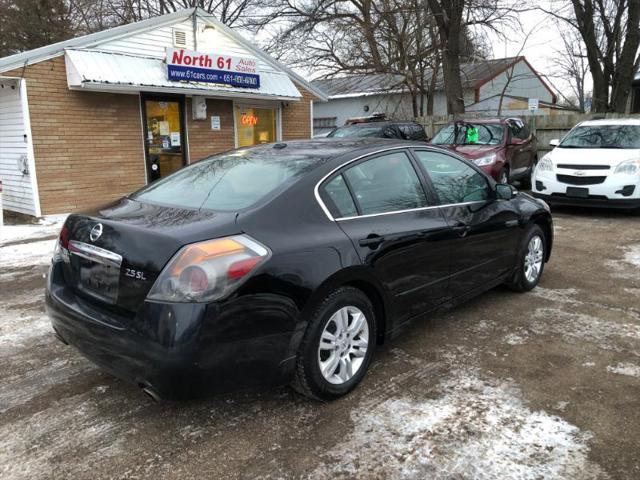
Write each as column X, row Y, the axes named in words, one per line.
column 27, row 24
column 400, row 38
column 610, row 31
column 571, row 65
column 453, row 17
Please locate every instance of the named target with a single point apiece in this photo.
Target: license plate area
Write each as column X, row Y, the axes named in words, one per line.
column 99, row 280
column 578, row 192
column 99, row 270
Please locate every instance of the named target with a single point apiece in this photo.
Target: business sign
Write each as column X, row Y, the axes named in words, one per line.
column 533, row 104
column 192, row 66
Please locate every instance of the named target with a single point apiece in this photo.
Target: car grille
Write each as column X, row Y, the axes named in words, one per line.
column 583, row 167
column 571, row 180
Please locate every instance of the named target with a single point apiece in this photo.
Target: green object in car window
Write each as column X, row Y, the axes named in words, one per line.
column 472, row 134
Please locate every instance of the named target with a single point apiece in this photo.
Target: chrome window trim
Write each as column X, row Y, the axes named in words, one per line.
column 431, row 207
column 316, row 190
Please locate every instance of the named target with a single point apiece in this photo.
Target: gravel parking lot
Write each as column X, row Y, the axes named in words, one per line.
column 537, row 385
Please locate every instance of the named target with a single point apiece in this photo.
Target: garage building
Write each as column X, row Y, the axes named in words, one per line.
column 90, row 119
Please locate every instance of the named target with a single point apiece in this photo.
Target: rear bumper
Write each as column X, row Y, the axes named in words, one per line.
column 183, row 351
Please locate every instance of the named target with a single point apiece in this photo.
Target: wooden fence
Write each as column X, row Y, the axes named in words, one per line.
column 545, row 127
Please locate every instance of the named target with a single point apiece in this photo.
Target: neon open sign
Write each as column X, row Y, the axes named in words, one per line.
column 248, row 119
column 192, row 66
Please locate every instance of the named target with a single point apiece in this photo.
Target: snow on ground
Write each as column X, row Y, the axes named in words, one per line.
column 22, row 319
column 46, row 226
column 559, row 295
column 606, row 334
column 26, row 255
column 629, row 369
column 94, row 436
column 627, row 267
column 476, row 427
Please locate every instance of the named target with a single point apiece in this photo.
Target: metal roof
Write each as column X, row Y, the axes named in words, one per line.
column 97, row 70
column 36, row 55
column 472, row 74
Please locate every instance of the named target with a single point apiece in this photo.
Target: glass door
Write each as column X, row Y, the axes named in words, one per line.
column 164, row 135
column 255, row 125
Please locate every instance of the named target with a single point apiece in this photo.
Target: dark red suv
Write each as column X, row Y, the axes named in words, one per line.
column 504, row 148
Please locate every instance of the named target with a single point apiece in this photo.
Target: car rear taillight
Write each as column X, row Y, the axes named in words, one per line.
column 61, row 249
column 206, row 271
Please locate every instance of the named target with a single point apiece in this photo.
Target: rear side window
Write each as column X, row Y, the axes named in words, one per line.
column 385, row 184
column 453, row 180
column 229, row 181
column 339, row 198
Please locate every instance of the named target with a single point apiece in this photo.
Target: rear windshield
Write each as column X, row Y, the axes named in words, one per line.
column 358, row 131
column 229, row 181
column 603, row 136
column 470, row 134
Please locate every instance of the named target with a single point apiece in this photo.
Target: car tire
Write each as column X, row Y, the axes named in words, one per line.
column 316, row 376
column 503, row 175
column 530, row 258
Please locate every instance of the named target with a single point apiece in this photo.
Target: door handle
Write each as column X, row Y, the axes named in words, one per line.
column 462, row 229
column 373, row 241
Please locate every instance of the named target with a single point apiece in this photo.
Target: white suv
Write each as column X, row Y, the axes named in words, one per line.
column 597, row 163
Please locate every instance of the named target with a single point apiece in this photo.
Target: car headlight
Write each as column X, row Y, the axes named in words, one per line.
column 630, row 167
column 545, row 165
column 486, row 160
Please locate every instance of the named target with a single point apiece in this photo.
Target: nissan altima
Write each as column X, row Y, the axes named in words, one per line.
column 286, row 263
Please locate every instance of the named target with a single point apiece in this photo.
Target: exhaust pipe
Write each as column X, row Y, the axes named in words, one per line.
column 151, row 394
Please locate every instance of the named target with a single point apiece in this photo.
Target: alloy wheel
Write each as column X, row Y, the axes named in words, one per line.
column 343, row 345
column 533, row 259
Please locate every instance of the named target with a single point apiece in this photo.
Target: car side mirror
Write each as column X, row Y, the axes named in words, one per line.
column 554, row 142
column 504, row 191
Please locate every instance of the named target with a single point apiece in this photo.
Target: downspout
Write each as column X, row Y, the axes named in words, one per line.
column 195, row 29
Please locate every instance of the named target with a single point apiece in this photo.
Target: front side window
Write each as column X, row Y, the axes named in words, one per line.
column 470, row 134
column 386, row 184
column 228, row 182
column 453, row 180
column 603, row 136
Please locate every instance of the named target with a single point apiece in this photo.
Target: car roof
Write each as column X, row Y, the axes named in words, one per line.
column 487, row 120
column 380, row 123
column 326, row 151
column 612, row 121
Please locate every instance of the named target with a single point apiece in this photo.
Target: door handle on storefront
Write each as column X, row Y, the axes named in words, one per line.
column 373, row 241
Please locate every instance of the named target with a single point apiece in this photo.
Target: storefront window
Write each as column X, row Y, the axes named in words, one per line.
column 255, row 125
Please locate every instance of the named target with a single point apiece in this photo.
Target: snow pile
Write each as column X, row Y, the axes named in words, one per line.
column 26, row 254
column 46, row 227
column 629, row 369
column 477, row 428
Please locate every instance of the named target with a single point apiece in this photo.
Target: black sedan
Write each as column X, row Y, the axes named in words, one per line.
column 286, row 263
